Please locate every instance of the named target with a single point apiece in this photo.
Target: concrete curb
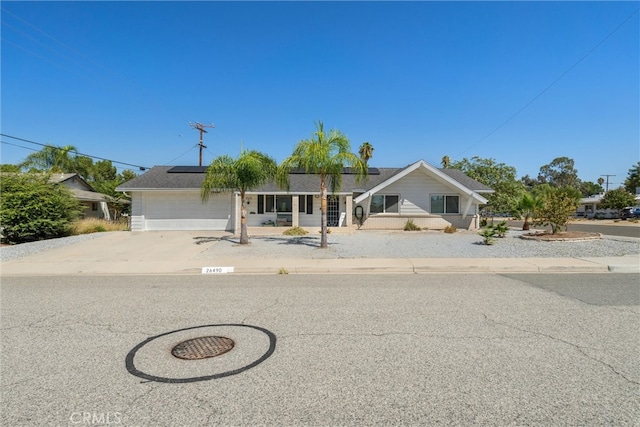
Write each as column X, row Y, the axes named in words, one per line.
column 626, row 264
column 331, row 266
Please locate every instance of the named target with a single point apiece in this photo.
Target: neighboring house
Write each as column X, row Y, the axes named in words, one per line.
column 589, row 207
column 168, row 198
column 95, row 205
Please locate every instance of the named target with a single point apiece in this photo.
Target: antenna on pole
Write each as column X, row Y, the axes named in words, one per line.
column 200, row 127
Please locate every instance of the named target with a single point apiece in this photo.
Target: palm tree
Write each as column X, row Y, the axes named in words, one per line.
column 366, row 152
column 53, row 159
column 446, row 161
column 250, row 170
column 324, row 154
column 527, row 206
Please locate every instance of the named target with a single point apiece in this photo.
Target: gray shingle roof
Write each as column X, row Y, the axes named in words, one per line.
column 159, row 178
column 467, row 181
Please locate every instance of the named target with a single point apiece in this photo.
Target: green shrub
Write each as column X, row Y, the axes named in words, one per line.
column 450, row 229
column 559, row 205
column 501, row 229
column 411, row 226
column 34, row 209
column 488, row 235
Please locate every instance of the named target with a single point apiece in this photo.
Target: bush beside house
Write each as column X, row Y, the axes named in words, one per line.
column 31, row 208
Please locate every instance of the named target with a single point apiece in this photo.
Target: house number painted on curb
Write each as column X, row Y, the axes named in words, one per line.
column 216, row 270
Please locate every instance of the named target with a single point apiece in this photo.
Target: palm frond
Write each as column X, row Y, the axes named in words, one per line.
column 219, row 176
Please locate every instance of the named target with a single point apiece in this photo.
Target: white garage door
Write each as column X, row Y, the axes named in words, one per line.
column 185, row 211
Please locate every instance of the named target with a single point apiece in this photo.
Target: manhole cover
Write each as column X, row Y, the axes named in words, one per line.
column 202, row 348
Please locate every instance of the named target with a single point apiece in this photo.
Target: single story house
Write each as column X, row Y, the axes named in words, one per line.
column 168, row 198
column 589, row 207
column 95, row 205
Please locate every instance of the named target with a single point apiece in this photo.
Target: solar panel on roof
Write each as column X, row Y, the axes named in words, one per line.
column 345, row 171
column 188, row 169
column 297, row 171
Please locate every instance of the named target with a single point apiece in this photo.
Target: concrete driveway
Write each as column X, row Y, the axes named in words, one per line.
column 180, row 252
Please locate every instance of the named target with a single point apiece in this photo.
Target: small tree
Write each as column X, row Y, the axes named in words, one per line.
column 559, row 204
column 527, row 206
column 324, row 154
column 617, row 199
column 500, row 177
column 632, row 182
column 34, row 209
column 250, row 170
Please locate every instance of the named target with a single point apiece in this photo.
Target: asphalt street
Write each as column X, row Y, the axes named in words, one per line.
column 322, row 350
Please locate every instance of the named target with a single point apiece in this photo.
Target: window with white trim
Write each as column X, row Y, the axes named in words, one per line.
column 384, row 203
column 445, row 204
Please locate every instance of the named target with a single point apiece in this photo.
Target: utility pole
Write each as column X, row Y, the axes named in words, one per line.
column 200, row 127
column 607, row 187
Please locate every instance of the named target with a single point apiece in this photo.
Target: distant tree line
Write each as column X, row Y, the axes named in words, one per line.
column 550, row 198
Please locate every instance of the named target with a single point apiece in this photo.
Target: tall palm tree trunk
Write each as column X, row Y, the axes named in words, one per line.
column 323, row 209
column 244, row 235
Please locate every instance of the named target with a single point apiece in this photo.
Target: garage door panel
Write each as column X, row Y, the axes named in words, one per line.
column 186, row 211
column 186, row 225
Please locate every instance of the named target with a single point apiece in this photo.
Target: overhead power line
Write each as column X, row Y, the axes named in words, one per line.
column 513, row 116
column 181, row 155
column 60, row 148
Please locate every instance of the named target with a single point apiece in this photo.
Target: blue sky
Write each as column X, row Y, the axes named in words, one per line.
column 418, row 80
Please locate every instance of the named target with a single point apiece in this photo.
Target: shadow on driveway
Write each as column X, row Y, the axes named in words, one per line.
column 312, row 242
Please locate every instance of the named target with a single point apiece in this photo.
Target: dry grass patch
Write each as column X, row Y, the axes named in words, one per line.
column 295, row 231
column 95, row 225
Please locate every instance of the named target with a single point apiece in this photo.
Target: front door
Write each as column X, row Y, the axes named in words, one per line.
column 333, row 211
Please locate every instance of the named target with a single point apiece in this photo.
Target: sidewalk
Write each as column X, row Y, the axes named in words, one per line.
column 144, row 253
